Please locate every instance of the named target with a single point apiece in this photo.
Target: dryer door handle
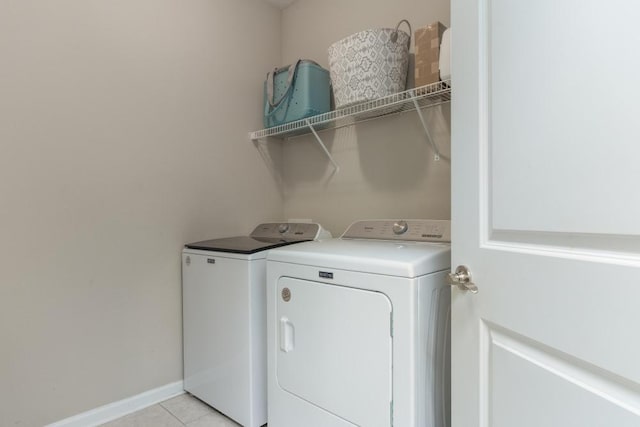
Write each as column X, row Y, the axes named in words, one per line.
column 287, row 335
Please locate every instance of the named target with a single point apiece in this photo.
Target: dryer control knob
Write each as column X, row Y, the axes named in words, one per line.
column 400, row 227
column 283, row 228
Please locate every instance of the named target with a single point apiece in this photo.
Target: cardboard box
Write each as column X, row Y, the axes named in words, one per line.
column 427, row 53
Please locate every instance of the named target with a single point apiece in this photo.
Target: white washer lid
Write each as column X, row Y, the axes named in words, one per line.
column 401, row 259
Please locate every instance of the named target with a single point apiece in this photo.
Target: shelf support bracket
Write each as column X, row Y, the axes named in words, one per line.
column 436, row 155
column 324, row 148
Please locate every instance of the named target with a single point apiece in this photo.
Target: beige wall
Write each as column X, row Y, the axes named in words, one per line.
column 122, row 136
column 387, row 167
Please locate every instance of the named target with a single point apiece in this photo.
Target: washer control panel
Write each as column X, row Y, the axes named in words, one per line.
column 414, row 230
column 288, row 230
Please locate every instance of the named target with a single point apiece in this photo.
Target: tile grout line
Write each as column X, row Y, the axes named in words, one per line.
column 171, row 413
column 191, row 397
column 201, row 416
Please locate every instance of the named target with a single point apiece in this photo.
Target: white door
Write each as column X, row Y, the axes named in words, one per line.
column 546, row 213
column 335, row 349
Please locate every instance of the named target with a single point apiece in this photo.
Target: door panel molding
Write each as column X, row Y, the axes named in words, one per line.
column 621, row 249
column 600, row 248
column 484, row 411
column 620, row 392
column 484, row 122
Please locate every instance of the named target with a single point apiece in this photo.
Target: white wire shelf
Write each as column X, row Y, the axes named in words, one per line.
column 420, row 97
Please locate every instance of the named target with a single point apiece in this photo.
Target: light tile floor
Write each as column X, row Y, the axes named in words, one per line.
column 183, row 410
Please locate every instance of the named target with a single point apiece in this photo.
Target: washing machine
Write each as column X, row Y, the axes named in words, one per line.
column 224, row 310
column 358, row 331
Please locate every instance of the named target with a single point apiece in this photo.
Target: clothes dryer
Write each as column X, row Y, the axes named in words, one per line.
column 224, row 306
column 358, row 331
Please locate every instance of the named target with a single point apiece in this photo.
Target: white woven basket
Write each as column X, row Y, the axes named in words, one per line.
column 369, row 65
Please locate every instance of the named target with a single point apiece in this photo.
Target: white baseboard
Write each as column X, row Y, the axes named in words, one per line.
column 123, row 407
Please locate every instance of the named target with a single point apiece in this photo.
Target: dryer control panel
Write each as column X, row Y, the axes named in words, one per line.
column 413, row 230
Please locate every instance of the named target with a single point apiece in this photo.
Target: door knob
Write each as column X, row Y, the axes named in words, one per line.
column 462, row 279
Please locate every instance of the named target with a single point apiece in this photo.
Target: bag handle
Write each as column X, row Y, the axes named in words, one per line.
column 293, row 68
column 394, row 35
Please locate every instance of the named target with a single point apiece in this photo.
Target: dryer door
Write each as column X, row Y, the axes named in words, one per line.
column 335, row 349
